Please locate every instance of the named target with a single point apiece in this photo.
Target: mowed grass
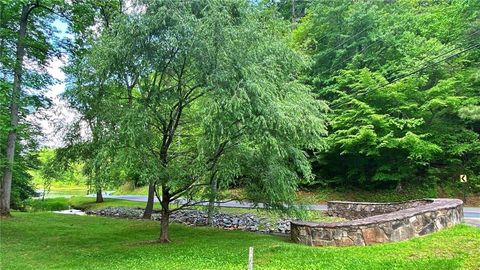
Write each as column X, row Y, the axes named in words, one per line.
column 89, row 203
column 58, row 189
column 54, row 241
column 54, row 204
column 128, row 189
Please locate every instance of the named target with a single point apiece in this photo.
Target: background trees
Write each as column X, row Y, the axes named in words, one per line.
column 27, row 44
column 87, row 138
column 399, row 77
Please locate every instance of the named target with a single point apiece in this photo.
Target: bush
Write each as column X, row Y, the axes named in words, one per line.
column 52, row 204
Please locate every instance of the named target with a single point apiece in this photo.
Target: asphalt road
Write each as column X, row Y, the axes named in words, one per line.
column 471, row 214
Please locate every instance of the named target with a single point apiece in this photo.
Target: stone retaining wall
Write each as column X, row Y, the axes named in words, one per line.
column 414, row 218
column 193, row 217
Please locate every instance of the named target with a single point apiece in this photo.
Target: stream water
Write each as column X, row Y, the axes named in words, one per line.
column 70, row 212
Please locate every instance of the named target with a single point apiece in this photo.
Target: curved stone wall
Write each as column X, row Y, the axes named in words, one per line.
column 357, row 210
column 379, row 222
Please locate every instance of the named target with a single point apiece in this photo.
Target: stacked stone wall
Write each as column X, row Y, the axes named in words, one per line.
column 414, row 218
column 357, row 210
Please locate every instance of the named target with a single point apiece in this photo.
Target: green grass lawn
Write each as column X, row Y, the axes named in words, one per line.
column 54, row 241
column 58, row 189
column 128, row 189
column 79, row 202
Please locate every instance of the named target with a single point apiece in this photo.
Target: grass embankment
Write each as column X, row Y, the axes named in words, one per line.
column 129, row 189
column 322, row 195
column 61, row 189
column 53, row 241
column 58, row 188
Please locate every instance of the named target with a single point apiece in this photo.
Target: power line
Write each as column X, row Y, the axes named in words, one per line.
column 421, row 69
column 474, row 46
column 446, row 52
column 456, row 40
column 424, row 60
column 437, row 62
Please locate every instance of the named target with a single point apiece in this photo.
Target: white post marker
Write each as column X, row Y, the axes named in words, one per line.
column 463, row 179
column 250, row 258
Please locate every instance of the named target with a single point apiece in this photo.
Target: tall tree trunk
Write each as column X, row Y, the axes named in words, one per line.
column 99, row 196
column 147, row 214
column 165, row 220
column 14, row 116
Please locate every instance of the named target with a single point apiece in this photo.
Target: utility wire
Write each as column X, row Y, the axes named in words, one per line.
column 437, row 62
column 450, row 50
column 424, row 60
column 471, row 47
column 456, row 40
column 474, row 46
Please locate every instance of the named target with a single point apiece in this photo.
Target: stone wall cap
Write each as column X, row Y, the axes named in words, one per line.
column 433, row 205
column 380, row 203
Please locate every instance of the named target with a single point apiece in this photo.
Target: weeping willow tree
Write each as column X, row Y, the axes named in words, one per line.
column 200, row 93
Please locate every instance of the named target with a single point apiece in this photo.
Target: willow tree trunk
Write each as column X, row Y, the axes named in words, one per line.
column 164, row 225
column 6, row 186
column 99, row 196
column 147, row 214
column 212, row 199
column 165, row 219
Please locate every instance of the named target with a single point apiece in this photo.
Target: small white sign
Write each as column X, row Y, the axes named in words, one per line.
column 250, row 258
column 463, row 178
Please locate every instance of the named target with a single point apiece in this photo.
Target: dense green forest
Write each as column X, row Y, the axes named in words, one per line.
column 402, row 82
column 192, row 98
